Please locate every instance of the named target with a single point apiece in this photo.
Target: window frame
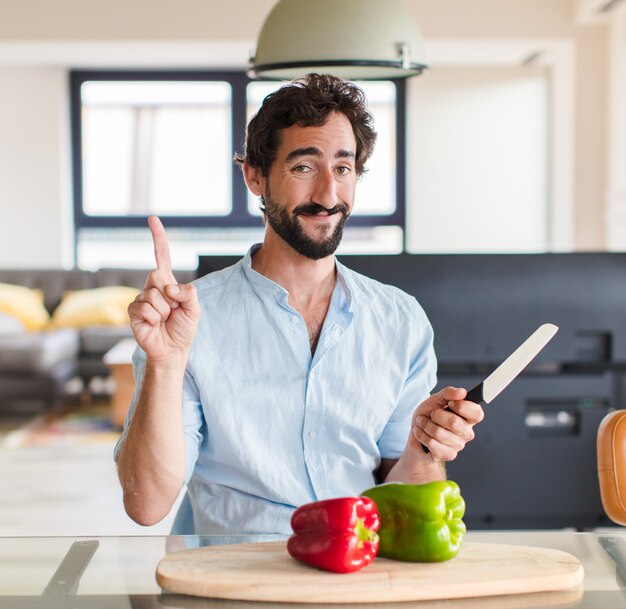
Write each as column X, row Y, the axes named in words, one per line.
column 239, row 217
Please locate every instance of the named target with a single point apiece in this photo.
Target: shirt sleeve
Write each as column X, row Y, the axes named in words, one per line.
column 191, row 410
column 420, row 380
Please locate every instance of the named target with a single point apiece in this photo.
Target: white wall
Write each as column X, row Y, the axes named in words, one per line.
column 477, row 158
column 616, row 188
column 35, row 194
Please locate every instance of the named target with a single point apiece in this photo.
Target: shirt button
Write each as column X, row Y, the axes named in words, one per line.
column 312, row 434
column 294, row 319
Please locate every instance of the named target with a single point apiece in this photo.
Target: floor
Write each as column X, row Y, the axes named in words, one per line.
column 65, row 489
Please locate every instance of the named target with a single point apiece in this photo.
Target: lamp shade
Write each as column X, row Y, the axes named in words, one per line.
column 352, row 39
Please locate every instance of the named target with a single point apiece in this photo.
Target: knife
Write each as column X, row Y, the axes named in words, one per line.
column 510, row 368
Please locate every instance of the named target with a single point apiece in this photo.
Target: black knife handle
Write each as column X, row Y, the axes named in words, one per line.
column 473, row 395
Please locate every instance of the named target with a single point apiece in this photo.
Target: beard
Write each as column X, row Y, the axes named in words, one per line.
column 288, row 226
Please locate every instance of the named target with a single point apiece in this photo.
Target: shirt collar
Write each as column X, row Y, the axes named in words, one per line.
column 344, row 281
column 261, row 282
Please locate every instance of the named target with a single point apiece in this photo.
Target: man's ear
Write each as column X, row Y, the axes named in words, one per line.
column 255, row 180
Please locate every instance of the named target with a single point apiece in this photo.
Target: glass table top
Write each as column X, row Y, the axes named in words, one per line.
column 119, row 572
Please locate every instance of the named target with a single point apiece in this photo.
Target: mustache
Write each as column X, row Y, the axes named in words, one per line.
column 315, row 208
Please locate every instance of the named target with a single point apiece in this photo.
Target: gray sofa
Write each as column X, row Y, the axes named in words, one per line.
column 35, row 367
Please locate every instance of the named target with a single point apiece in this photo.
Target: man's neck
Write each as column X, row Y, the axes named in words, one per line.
column 307, row 281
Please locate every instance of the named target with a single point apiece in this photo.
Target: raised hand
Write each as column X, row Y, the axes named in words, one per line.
column 165, row 315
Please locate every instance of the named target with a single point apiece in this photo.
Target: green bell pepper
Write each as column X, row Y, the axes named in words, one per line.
column 419, row 522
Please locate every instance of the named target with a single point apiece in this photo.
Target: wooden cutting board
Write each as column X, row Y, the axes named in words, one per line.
column 266, row 572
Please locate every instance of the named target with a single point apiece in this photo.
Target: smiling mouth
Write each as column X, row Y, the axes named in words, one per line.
column 314, row 214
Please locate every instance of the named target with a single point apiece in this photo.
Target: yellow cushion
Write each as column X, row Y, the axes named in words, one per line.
column 25, row 304
column 95, row 307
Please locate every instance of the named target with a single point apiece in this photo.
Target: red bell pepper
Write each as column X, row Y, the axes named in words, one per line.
column 336, row 534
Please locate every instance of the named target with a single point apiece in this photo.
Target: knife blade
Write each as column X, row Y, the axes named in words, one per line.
column 511, row 367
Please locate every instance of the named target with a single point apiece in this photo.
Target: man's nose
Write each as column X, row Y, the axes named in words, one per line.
column 325, row 192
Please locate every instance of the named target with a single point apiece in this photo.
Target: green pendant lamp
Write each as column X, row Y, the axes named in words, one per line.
column 352, row 39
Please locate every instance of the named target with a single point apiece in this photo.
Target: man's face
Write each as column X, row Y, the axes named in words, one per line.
column 309, row 192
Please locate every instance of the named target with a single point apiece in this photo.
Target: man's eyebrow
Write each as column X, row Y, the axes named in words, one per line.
column 345, row 154
column 298, row 152
column 313, row 151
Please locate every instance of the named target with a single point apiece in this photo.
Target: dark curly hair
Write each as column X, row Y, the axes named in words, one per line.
column 307, row 102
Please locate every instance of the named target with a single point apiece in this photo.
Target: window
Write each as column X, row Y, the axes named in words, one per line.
column 156, row 148
column 162, row 143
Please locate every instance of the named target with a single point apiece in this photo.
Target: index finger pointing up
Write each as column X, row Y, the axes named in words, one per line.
column 161, row 246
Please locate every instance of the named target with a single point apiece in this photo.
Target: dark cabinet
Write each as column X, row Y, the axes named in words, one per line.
column 533, row 462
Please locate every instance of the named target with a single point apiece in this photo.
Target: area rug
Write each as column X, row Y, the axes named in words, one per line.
column 90, row 425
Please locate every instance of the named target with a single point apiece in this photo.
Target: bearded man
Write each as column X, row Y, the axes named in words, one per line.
column 286, row 378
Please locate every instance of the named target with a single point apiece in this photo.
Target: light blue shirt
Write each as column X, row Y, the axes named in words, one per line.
column 268, row 426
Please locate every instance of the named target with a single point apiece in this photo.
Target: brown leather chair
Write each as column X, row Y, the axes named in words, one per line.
column 611, row 446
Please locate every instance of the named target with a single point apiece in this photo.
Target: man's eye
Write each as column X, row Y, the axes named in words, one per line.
column 344, row 170
column 301, row 168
